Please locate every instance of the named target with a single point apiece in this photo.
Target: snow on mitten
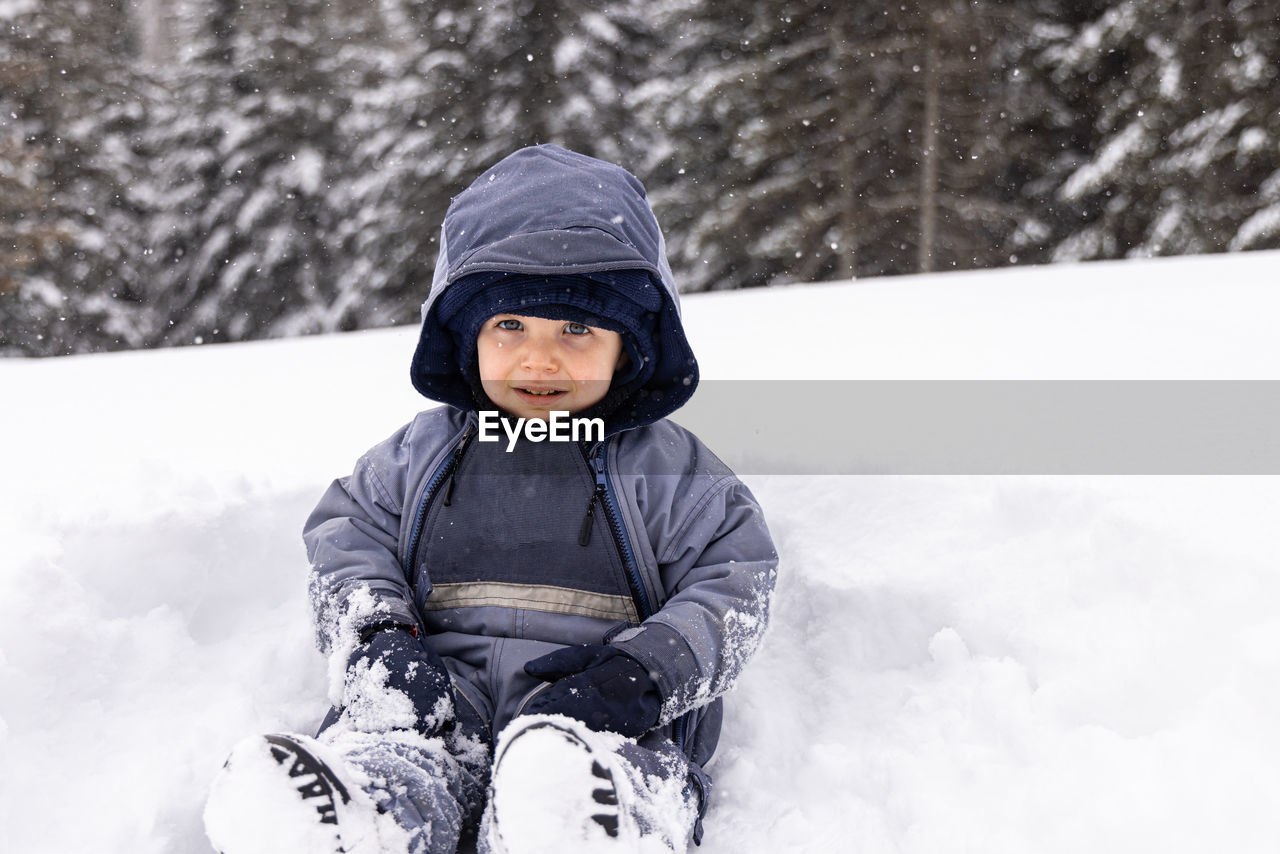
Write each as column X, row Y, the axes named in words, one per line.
column 395, row 680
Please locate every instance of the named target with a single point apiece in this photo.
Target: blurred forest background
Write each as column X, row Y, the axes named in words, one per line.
column 187, row 171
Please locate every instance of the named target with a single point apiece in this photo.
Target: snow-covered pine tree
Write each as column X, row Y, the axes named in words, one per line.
column 446, row 89
column 24, row 185
column 248, row 150
column 952, row 115
column 1182, row 154
column 410, row 140
column 1250, row 71
column 72, row 212
column 561, row 70
column 314, row 147
column 758, row 121
column 823, row 140
column 979, row 121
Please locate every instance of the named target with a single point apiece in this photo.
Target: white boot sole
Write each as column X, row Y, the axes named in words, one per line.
column 286, row 794
column 557, row 787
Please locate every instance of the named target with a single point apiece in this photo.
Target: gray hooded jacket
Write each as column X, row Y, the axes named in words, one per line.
column 645, row 540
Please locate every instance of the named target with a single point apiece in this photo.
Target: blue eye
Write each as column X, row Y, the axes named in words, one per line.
column 577, row 328
column 510, row 323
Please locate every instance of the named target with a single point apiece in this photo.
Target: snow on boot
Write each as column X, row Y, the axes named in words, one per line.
column 561, row 787
column 287, row 794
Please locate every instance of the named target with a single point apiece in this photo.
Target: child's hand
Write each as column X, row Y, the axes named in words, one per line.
column 599, row 685
column 396, row 681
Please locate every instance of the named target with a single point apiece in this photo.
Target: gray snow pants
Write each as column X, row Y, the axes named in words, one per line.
column 437, row 789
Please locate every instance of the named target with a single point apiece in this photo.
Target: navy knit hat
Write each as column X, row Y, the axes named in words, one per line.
column 622, row 301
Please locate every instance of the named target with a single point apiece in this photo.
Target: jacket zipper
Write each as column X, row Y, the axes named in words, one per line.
column 453, row 471
column 608, row 502
column 584, row 532
column 447, row 468
column 604, row 494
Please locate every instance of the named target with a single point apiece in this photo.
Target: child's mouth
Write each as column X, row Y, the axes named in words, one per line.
column 540, row 394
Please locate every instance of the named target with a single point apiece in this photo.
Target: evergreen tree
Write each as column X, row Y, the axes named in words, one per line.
column 975, row 121
column 754, row 120
column 71, row 213
column 1180, row 152
column 287, row 169
column 246, row 150
column 394, row 107
column 446, row 90
column 24, row 187
column 410, row 140
column 819, row 140
column 560, row 71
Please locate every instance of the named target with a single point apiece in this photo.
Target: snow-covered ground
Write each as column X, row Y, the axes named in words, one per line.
column 957, row 663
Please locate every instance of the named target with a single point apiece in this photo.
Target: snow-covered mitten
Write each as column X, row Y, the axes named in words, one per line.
column 559, row 786
column 395, row 680
column 600, row 685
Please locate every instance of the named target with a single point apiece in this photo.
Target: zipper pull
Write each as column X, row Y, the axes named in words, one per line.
column 584, row 533
column 457, row 461
column 448, row 490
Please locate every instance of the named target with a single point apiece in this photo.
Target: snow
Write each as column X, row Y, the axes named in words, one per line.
column 1108, row 163
column 1203, row 137
column 307, row 170
column 543, row 781
column 249, row 810
column 1253, row 140
column 12, row 9
column 1261, row 225
column 956, row 663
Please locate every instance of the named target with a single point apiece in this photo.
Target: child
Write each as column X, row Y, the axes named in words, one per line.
column 530, row 629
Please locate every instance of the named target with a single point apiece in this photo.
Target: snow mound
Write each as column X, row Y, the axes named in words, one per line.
column 965, row 663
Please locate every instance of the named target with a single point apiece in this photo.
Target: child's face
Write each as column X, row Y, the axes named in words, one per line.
column 531, row 366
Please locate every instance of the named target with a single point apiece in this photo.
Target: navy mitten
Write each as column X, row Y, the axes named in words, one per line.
column 396, row 681
column 599, row 685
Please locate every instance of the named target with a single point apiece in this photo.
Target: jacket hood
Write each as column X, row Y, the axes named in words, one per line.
column 548, row 212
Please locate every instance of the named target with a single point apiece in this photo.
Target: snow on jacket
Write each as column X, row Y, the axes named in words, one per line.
column 645, row 540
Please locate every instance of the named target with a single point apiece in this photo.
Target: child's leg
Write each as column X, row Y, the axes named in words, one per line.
column 433, row 796
column 347, row 791
column 286, row 792
column 559, row 786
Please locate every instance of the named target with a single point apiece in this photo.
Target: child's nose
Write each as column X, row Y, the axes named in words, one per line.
column 539, row 356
